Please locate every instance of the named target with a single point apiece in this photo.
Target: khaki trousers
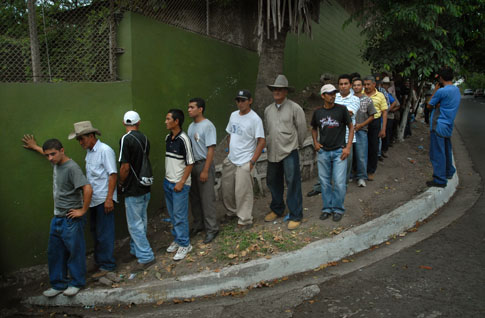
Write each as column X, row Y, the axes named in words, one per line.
column 237, row 191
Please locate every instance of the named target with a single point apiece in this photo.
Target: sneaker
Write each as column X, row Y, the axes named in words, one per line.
column 337, row 217
column 182, row 252
column 142, row 266
column 51, row 292
column 293, row 225
column 325, row 215
column 270, row 217
column 173, row 247
column 100, row 273
column 435, row 184
column 361, row 183
column 71, row 291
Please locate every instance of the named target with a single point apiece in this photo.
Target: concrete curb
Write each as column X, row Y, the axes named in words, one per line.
column 241, row 276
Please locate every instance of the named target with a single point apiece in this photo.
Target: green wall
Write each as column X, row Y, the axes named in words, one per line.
column 332, row 50
column 46, row 111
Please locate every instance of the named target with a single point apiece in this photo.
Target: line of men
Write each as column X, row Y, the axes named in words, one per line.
column 189, row 174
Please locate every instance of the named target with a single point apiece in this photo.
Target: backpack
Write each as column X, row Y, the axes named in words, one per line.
column 145, row 178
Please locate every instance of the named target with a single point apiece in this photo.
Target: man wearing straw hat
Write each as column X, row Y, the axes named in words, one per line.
column 102, row 174
column 285, row 131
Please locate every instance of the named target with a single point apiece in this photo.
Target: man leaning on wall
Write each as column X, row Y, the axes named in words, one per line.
column 285, row 132
column 102, row 174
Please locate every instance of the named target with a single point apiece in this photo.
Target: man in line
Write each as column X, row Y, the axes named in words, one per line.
column 329, row 122
column 285, row 131
column 66, row 250
column 377, row 128
column 393, row 108
column 363, row 117
column 444, row 105
column 246, row 142
column 202, row 134
column 346, row 97
column 102, row 174
column 133, row 146
column 179, row 161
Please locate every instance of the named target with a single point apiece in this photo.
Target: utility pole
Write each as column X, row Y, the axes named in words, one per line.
column 34, row 42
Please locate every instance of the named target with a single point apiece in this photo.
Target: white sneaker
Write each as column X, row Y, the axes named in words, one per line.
column 51, row 292
column 71, row 291
column 361, row 183
column 182, row 252
column 173, row 247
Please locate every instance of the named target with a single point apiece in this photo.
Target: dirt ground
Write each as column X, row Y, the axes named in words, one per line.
column 399, row 178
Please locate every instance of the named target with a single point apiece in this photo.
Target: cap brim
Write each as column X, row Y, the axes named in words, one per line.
column 73, row 135
column 330, row 92
column 289, row 88
column 241, row 97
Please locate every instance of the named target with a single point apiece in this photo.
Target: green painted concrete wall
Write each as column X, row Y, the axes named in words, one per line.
column 332, row 50
column 47, row 111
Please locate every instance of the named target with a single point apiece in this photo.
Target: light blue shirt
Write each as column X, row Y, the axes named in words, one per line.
column 100, row 163
column 352, row 103
column 202, row 135
column 443, row 117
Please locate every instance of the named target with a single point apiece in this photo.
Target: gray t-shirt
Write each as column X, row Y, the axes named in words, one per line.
column 366, row 109
column 68, row 179
column 202, row 135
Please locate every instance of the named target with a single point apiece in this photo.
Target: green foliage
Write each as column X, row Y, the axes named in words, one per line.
column 417, row 37
column 475, row 80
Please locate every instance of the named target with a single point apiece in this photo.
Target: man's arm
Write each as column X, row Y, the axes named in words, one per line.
column 394, row 107
column 228, row 144
column 30, row 143
column 204, row 175
column 108, row 204
column 257, row 152
column 382, row 133
column 346, row 150
column 300, row 122
column 180, row 185
column 87, row 194
column 124, row 171
column 316, row 144
column 363, row 124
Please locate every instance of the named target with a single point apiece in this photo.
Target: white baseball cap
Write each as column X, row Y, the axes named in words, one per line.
column 131, row 118
column 327, row 89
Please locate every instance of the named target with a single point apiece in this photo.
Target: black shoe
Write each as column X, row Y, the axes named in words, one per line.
column 325, row 215
column 337, row 217
column 228, row 218
column 142, row 266
column 312, row 193
column 380, row 158
column 194, row 232
column 434, row 184
column 384, row 155
column 209, row 237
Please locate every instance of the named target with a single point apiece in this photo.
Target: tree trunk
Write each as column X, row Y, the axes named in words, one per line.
column 34, row 42
column 270, row 65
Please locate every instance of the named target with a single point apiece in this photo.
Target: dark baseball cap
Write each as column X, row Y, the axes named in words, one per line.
column 244, row 94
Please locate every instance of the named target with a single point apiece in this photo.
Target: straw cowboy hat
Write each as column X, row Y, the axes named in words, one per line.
column 83, row 128
column 280, row 82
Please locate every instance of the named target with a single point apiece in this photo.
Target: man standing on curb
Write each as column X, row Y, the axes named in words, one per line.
column 134, row 145
column 102, row 174
column 445, row 103
column 363, row 117
column 246, row 142
column 346, row 97
column 393, row 108
column 179, row 161
column 376, row 128
column 329, row 123
column 66, row 250
column 285, row 133
column 202, row 134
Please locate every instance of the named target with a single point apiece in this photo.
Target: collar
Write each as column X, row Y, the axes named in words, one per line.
column 176, row 136
column 95, row 147
column 349, row 95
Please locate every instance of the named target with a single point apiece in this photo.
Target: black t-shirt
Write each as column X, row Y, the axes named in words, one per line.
column 132, row 152
column 331, row 125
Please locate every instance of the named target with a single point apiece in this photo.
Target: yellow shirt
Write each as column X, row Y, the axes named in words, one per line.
column 380, row 103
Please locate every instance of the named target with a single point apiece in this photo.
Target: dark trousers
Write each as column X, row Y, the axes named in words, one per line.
column 202, row 197
column 288, row 169
column 102, row 226
column 373, row 144
column 387, row 140
column 441, row 156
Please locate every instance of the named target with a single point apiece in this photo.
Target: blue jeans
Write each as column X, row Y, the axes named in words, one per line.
column 332, row 168
column 289, row 169
column 178, row 209
column 102, row 226
column 136, row 217
column 361, row 154
column 441, row 158
column 66, row 251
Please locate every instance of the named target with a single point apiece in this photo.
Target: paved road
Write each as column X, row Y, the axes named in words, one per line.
column 443, row 276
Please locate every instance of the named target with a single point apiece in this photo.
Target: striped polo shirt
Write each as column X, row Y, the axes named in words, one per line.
column 178, row 155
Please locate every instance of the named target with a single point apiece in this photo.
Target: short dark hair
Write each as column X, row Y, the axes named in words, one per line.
column 355, row 75
column 446, row 73
column 177, row 114
column 344, row 76
column 370, row 78
column 358, row 79
column 199, row 101
column 52, row 144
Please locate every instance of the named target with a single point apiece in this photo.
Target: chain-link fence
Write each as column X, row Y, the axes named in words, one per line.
column 64, row 40
column 75, row 40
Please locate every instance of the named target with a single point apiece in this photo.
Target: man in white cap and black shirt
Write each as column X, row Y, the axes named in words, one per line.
column 102, row 174
column 285, row 132
column 133, row 145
